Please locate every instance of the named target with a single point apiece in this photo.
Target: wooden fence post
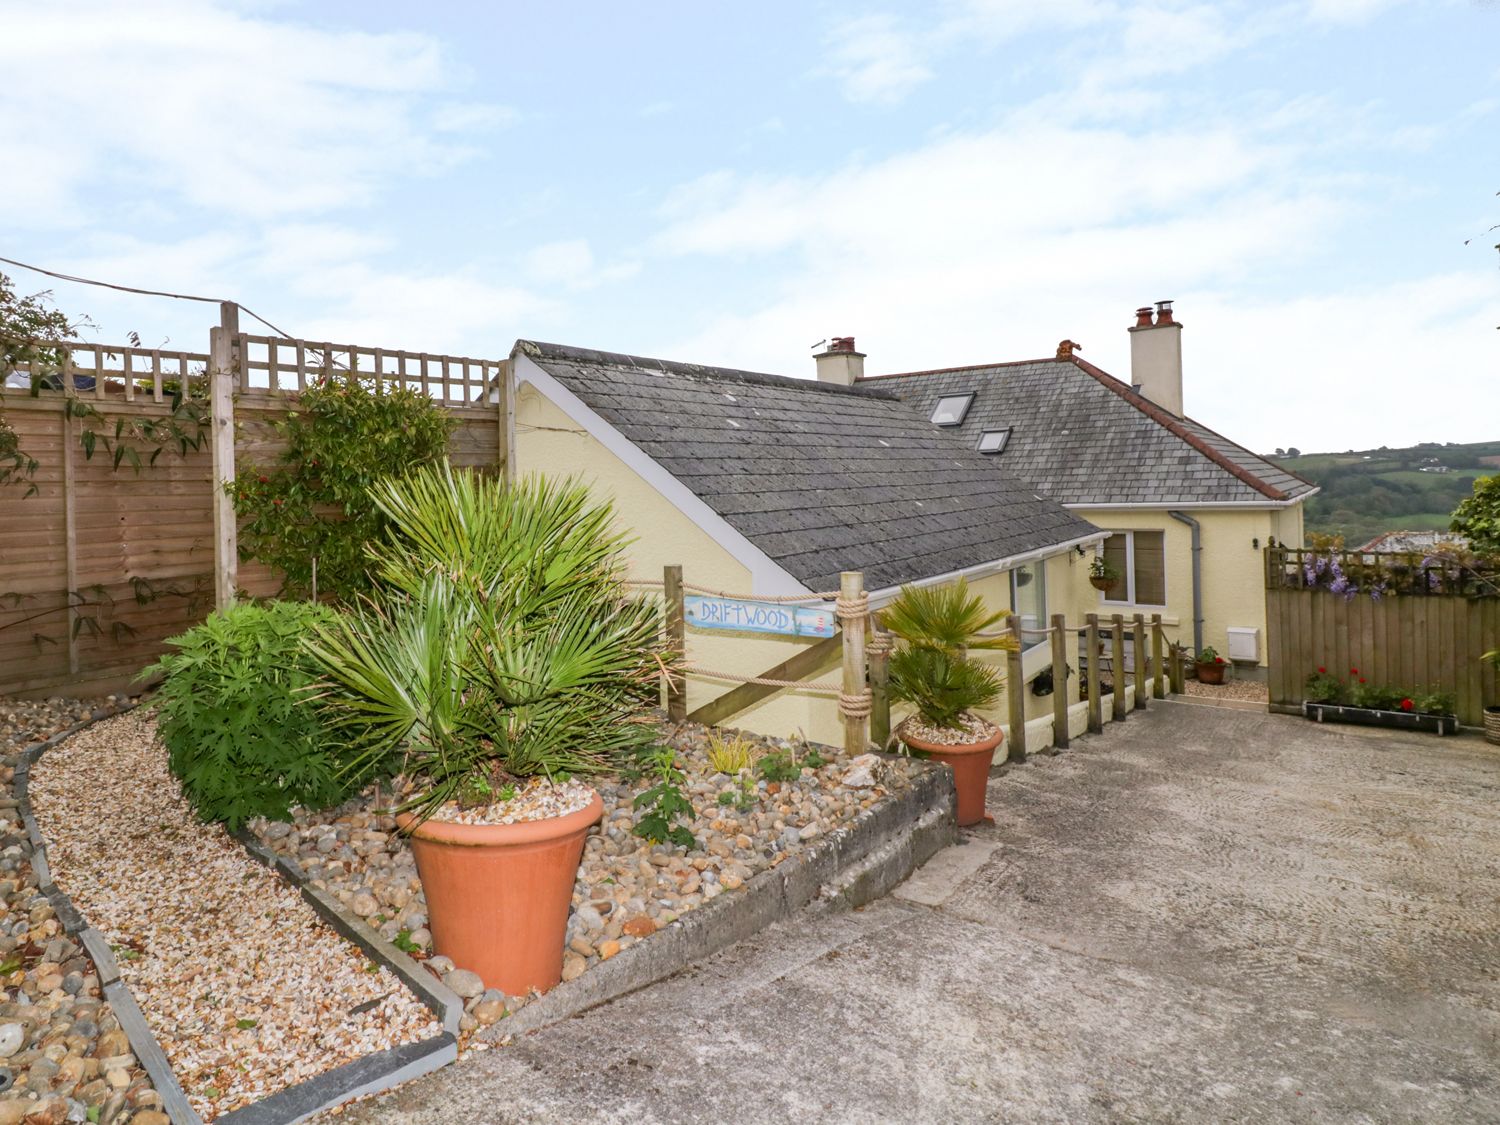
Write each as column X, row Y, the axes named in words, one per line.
column 676, row 624
column 1158, row 664
column 70, row 521
column 1177, row 675
column 880, row 684
column 505, row 381
column 1117, row 666
column 1091, row 649
column 856, row 725
column 221, row 378
column 1138, row 648
column 1060, row 700
column 1015, row 692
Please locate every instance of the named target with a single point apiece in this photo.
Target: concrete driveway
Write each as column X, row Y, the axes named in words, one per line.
column 1199, row 916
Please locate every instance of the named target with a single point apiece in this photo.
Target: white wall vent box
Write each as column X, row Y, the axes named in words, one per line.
column 1244, row 643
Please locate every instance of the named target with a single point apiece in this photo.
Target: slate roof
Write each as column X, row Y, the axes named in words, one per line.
column 1084, row 437
column 821, row 478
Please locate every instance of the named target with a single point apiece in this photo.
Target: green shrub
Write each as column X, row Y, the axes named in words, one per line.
column 244, row 738
column 502, row 642
column 315, row 503
column 939, row 626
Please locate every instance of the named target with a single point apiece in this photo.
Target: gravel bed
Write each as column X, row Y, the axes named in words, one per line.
column 1252, row 691
column 246, row 989
column 626, row 888
column 60, row 1042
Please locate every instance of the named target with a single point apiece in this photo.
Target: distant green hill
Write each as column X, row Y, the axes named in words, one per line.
column 1369, row 491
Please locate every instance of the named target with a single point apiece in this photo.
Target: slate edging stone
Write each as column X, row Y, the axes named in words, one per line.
column 368, row 1075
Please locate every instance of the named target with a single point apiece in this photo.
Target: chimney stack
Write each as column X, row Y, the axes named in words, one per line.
column 1156, row 357
column 840, row 364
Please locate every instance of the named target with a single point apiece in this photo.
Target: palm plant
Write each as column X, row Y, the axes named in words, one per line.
column 939, row 626
column 500, row 642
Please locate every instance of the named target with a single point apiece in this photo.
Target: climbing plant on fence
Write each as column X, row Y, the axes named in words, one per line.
column 313, row 504
column 28, row 325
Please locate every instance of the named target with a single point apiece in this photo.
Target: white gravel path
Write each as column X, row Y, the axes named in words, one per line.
column 245, row 988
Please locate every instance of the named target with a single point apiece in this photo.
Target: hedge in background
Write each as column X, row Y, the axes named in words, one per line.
column 244, row 738
column 314, row 504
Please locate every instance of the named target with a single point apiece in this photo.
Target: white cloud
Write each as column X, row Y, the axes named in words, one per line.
column 994, row 246
column 876, row 59
column 216, row 108
column 468, row 117
column 1347, row 11
column 570, row 263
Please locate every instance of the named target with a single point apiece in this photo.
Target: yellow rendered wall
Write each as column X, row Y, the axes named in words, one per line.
column 549, row 442
column 1233, row 575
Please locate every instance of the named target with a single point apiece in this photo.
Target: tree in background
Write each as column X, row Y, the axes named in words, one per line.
column 29, row 331
column 1477, row 519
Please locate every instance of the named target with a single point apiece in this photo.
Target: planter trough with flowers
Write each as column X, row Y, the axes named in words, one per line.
column 1359, row 702
column 1376, row 717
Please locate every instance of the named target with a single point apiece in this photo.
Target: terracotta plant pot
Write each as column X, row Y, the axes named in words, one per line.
column 1105, row 584
column 971, row 770
column 498, row 894
column 1210, row 673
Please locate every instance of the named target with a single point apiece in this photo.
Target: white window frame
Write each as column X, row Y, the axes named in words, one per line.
column 1038, row 575
column 1129, row 575
column 967, row 396
column 1004, row 433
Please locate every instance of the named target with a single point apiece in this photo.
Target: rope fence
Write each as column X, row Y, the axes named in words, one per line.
column 863, row 697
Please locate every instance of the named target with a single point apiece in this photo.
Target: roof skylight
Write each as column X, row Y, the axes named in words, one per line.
column 951, row 409
column 993, row 441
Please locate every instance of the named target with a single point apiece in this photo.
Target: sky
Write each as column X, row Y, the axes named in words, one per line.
column 953, row 182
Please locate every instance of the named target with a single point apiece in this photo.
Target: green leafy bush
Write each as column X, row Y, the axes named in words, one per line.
column 315, row 504
column 244, row 738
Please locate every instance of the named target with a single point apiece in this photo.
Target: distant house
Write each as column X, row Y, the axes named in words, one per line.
column 1187, row 510
column 1435, row 469
column 1416, row 542
column 762, row 484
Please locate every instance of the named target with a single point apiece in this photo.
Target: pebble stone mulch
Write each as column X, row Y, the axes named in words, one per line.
column 63, row 1057
column 244, row 987
column 1249, row 691
column 626, row 888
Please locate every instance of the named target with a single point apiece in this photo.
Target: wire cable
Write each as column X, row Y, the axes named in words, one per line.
column 148, row 292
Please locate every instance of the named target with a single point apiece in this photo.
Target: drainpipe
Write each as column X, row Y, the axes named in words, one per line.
column 1183, row 517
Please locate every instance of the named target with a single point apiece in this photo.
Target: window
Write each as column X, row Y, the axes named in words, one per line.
column 1141, row 560
column 950, row 409
column 993, row 441
column 1028, row 600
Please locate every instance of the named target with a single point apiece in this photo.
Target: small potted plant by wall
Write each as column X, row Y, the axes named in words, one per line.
column 1103, row 575
column 937, row 627
column 500, row 659
column 1209, row 666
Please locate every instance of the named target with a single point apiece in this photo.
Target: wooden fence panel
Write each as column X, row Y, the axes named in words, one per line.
column 1407, row 642
column 100, row 565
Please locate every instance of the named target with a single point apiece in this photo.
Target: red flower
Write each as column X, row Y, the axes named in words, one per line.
column 265, row 480
column 1361, row 679
column 1353, row 671
column 1407, row 705
column 1322, row 671
column 1218, row 660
